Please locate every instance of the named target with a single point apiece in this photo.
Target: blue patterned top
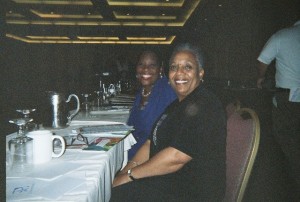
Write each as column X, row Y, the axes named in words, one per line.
column 142, row 120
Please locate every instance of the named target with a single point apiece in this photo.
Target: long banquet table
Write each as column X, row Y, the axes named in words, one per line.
column 76, row 176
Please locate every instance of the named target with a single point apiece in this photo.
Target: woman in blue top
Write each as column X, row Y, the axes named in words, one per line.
column 151, row 100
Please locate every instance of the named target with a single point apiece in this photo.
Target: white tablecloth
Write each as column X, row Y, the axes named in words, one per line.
column 76, row 176
column 120, row 116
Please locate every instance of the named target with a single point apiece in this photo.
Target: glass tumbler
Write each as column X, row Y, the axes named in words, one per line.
column 21, row 154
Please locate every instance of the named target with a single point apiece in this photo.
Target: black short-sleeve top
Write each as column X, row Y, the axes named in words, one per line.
column 197, row 127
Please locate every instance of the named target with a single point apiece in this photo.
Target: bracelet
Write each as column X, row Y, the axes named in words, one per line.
column 130, row 176
column 134, row 162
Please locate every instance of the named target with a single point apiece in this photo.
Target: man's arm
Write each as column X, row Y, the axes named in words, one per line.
column 261, row 71
column 166, row 161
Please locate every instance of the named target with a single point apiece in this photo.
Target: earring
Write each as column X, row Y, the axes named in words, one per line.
column 201, row 80
column 160, row 75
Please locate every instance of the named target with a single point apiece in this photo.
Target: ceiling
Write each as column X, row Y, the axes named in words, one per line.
column 97, row 21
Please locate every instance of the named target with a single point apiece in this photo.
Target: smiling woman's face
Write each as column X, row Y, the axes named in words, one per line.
column 148, row 69
column 184, row 73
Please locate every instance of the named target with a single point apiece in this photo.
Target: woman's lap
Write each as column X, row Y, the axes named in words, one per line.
column 143, row 190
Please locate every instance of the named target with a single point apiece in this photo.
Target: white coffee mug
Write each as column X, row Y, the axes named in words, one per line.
column 43, row 146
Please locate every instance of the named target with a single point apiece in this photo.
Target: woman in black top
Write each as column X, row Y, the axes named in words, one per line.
column 184, row 158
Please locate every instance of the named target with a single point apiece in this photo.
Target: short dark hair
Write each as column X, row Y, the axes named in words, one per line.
column 154, row 52
column 190, row 48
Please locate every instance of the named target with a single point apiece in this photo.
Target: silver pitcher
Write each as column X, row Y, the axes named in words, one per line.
column 56, row 110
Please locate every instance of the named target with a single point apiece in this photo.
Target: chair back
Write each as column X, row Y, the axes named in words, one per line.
column 243, row 134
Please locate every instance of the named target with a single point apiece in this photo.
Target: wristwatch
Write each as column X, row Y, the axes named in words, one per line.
column 129, row 175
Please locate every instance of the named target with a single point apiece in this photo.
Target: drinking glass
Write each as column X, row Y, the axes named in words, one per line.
column 86, row 103
column 26, row 114
column 99, row 99
column 21, row 147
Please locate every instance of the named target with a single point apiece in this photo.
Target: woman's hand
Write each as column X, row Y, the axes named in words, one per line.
column 169, row 160
column 121, row 178
column 141, row 156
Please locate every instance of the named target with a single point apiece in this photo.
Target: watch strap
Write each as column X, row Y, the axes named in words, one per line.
column 129, row 175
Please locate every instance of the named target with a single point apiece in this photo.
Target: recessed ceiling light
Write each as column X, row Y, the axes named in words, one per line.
column 148, row 3
column 86, row 40
column 146, row 38
column 48, row 37
column 56, row 2
column 125, row 19
column 98, row 38
column 220, row 5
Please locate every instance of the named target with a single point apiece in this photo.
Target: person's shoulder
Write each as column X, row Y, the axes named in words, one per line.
column 163, row 85
column 297, row 23
column 207, row 92
column 208, row 96
column 288, row 32
column 163, row 81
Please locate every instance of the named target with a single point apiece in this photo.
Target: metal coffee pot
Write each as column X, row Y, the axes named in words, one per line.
column 56, row 112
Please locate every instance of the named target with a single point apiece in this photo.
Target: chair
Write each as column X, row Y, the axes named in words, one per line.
column 243, row 135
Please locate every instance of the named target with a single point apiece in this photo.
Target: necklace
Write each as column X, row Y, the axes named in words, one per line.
column 147, row 94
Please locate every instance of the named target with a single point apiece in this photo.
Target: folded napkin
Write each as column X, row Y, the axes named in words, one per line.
column 128, row 142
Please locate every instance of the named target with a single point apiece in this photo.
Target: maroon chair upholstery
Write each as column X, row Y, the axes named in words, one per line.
column 242, row 144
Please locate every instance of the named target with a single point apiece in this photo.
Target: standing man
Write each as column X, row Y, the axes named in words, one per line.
column 284, row 47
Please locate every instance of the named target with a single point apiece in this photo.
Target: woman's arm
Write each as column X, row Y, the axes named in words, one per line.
column 140, row 157
column 166, row 161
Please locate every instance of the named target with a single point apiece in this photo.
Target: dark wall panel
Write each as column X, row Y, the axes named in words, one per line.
column 231, row 36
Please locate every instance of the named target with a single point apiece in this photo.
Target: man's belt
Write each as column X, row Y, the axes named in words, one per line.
column 283, row 90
